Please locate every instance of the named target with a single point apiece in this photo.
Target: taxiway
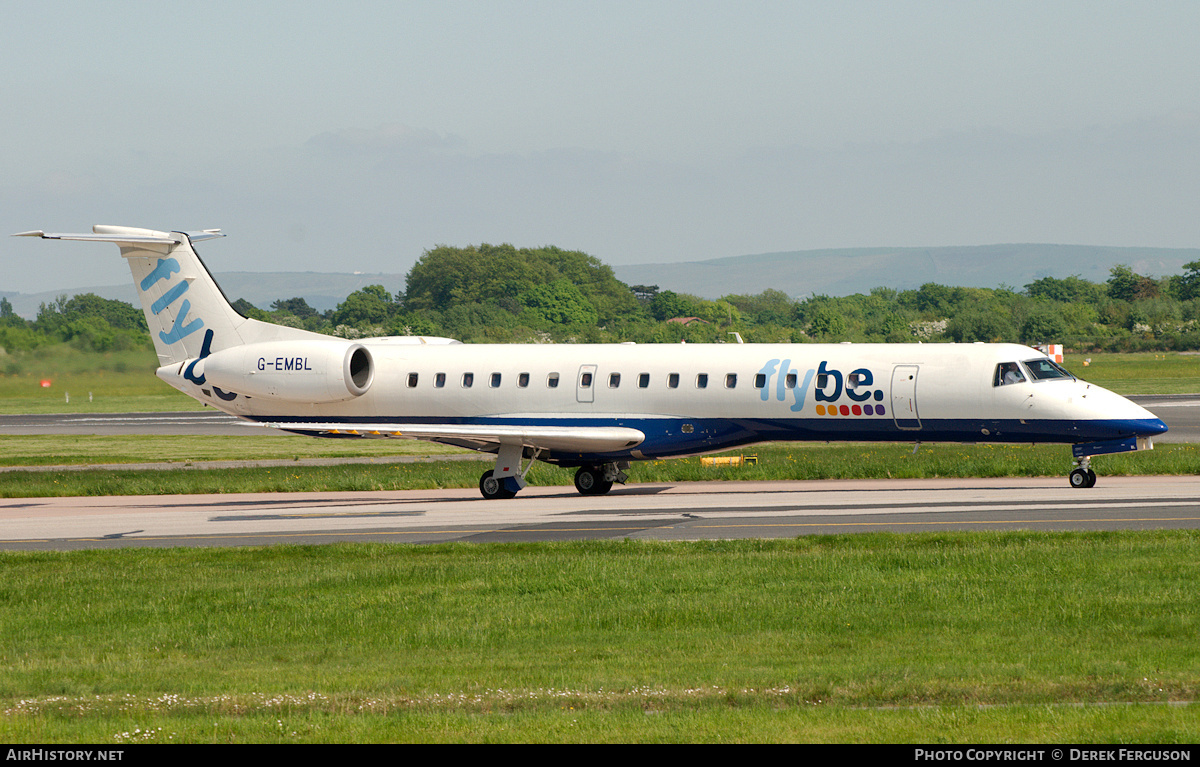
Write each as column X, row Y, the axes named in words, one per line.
column 685, row 511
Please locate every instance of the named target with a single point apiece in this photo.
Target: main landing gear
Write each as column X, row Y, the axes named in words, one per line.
column 508, row 478
column 598, row 480
column 1082, row 475
column 494, row 488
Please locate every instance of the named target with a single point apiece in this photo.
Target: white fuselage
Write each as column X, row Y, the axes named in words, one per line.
column 692, row 398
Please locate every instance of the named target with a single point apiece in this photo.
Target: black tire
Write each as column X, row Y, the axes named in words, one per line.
column 1080, row 478
column 589, row 480
column 492, row 488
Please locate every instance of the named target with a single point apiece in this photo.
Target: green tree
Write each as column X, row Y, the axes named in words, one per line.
column 827, row 324
column 935, row 300
column 297, row 307
column 1124, row 284
column 445, row 277
column 668, row 304
column 1043, row 325
column 9, row 318
column 770, row 307
column 369, row 307
column 247, row 309
column 557, row 303
column 1071, row 289
column 980, row 324
column 55, row 316
column 1187, row 286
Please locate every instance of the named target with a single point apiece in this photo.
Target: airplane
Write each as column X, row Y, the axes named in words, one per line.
column 601, row 407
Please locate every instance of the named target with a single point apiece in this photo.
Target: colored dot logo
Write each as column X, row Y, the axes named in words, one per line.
column 851, row 410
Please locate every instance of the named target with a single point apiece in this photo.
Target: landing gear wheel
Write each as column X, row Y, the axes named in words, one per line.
column 1083, row 478
column 589, row 480
column 493, row 488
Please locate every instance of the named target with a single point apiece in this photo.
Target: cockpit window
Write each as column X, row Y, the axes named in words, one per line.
column 1045, row 369
column 1008, row 373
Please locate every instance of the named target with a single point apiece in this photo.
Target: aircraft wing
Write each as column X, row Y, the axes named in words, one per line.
column 571, row 439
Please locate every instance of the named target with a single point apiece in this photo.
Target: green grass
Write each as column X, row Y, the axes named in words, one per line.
column 610, row 641
column 116, row 382
column 1140, row 373
column 788, row 461
column 51, row 450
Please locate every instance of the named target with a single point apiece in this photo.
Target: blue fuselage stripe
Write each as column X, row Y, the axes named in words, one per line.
column 673, row 437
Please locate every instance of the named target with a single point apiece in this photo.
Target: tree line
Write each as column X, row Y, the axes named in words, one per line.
column 503, row 294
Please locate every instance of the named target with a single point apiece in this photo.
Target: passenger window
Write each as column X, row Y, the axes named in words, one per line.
column 412, row 380
column 522, row 380
column 495, row 380
column 643, row 380
column 552, row 380
column 731, row 380
column 702, row 381
column 439, row 380
column 790, row 381
column 822, row 381
column 614, row 380
column 468, row 380
column 760, row 380
column 673, row 381
column 585, row 380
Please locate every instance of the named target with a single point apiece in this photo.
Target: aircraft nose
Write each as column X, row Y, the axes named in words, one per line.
column 1154, row 426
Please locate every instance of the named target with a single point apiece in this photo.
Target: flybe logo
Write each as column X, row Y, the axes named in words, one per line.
column 828, row 385
column 182, row 327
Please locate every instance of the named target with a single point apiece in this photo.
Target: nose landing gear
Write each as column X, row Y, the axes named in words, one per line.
column 1083, row 477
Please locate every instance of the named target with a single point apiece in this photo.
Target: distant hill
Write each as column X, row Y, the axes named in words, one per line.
column 321, row 290
column 847, row 271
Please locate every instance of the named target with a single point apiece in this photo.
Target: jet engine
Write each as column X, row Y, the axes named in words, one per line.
column 312, row 372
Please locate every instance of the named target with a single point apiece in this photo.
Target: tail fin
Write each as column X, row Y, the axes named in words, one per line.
column 188, row 315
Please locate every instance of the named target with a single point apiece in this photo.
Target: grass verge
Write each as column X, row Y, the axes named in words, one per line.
column 1140, row 373
column 775, row 640
column 54, row 450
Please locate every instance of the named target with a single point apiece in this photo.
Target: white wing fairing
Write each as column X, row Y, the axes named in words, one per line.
column 488, row 437
column 598, row 407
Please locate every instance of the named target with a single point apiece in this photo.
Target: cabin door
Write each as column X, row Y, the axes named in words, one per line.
column 904, row 397
column 585, row 384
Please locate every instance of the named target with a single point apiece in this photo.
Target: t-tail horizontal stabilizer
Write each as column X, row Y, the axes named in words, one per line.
column 188, row 315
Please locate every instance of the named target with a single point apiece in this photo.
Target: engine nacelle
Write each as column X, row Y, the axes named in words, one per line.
column 297, row 371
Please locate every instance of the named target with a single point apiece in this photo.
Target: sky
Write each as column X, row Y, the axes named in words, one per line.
column 355, row 136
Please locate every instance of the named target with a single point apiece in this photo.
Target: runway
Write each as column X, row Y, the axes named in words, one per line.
column 685, row 511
